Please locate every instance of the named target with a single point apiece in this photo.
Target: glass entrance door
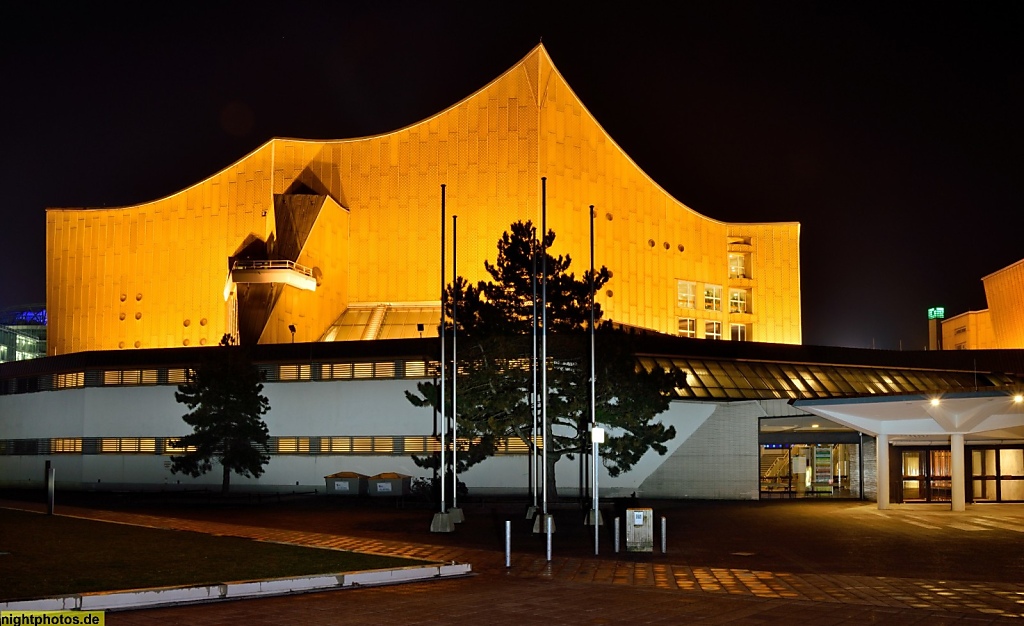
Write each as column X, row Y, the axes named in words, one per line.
column 927, row 475
column 997, row 475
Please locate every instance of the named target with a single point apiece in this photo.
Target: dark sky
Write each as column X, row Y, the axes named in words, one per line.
column 892, row 134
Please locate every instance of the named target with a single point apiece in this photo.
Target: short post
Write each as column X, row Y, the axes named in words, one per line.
column 616, row 535
column 663, row 541
column 547, row 529
column 49, row 488
column 508, row 543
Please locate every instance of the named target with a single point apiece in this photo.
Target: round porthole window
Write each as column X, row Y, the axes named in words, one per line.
column 650, row 242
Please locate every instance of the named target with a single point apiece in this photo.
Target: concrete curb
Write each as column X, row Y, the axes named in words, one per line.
column 165, row 596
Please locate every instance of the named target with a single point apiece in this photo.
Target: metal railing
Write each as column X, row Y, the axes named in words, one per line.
column 275, row 264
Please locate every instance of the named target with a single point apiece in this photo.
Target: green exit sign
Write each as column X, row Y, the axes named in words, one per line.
column 937, row 313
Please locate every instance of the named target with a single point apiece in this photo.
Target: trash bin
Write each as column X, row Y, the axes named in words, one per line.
column 390, row 484
column 346, row 484
column 639, row 530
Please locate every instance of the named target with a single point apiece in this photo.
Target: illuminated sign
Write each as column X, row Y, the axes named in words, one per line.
column 937, row 313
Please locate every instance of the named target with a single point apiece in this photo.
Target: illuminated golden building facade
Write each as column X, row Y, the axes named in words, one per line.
column 1001, row 325
column 336, row 240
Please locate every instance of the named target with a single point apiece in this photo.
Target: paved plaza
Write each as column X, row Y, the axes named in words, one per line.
column 727, row 562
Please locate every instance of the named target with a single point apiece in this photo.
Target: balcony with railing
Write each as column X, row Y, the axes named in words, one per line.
column 273, row 271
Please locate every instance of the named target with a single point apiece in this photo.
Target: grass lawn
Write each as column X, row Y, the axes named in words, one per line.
column 46, row 556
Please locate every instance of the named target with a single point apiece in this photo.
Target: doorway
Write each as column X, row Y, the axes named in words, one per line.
column 925, row 475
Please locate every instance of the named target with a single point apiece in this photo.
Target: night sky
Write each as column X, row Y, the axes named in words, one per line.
column 892, row 134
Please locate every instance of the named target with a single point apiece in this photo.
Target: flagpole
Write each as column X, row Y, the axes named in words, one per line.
column 593, row 387
column 444, row 421
column 455, row 371
column 544, row 338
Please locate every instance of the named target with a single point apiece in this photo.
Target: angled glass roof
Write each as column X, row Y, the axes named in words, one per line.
column 763, row 380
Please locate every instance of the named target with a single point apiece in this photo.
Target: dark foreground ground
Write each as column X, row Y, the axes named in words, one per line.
column 727, row 562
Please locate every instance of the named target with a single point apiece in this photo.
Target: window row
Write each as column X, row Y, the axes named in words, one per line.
column 176, row 376
column 331, row 445
column 712, row 329
column 686, row 297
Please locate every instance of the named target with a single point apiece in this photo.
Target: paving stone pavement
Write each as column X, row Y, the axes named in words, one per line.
column 611, row 588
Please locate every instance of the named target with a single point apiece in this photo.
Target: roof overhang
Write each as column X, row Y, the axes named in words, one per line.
column 976, row 415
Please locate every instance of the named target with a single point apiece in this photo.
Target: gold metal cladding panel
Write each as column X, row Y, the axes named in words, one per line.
column 396, row 213
column 1004, row 291
column 313, row 312
column 585, row 167
column 490, row 149
column 134, row 276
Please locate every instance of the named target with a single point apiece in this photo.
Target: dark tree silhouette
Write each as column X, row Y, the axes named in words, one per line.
column 495, row 349
column 226, row 405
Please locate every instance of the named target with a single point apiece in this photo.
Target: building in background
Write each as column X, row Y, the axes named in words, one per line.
column 22, row 333
column 313, row 241
column 1000, row 326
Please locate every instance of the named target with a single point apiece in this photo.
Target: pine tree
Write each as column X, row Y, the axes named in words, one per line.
column 495, row 349
column 225, row 402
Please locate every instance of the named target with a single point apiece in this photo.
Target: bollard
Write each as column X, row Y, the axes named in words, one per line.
column 508, row 544
column 547, row 526
column 663, row 540
column 616, row 535
column 49, row 489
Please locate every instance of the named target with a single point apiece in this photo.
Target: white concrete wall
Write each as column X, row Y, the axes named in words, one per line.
column 321, row 408
column 720, row 460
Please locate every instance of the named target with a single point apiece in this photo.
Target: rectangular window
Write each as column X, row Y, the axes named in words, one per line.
column 687, row 327
column 738, row 301
column 738, row 332
column 65, row 445
column 686, row 294
column 293, row 445
column 737, row 265
column 712, row 298
column 712, row 330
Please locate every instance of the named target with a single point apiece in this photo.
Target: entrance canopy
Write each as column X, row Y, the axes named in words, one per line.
column 956, row 418
column 978, row 416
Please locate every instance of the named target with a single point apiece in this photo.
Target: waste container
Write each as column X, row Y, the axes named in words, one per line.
column 390, row 484
column 346, row 484
column 639, row 530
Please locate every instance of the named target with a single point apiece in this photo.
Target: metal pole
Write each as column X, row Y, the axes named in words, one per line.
column 593, row 387
column 455, row 364
column 533, row 376
column 508, row 543
column 544, row 341
column 663, row 538
column 616, row 534
column 444, row 421
column 50, row 483
column 547, row 526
